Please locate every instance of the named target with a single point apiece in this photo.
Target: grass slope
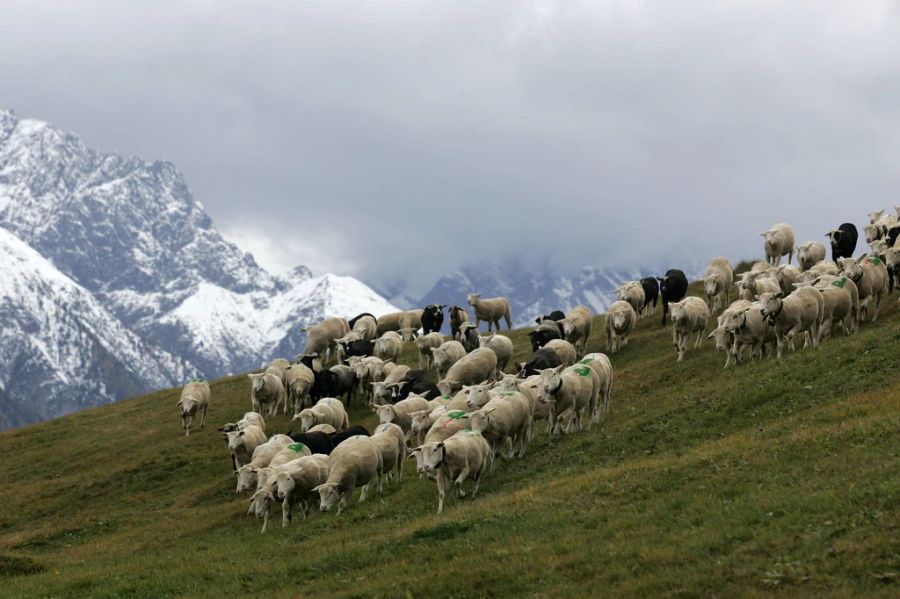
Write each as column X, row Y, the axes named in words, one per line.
column 765, row 479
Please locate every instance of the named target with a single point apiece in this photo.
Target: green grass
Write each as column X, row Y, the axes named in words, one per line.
column 767, row 479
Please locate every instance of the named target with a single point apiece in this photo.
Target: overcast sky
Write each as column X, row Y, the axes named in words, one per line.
column 401, row 139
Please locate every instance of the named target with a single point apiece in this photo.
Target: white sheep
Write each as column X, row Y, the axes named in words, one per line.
column 799, row 312
column 689, row 316
column 787, row 275
column 577, row 327
column 388, row 322
column 445, row 356
column 399, row 413
column 261, row 457
column 620, row 321
column 779, row 241
column 366, row 327
column 355, row 462
column 471, row 369
column 322, row 338
column 503, row 418
column 810, row 253
column 388, row 346
column 462, row 457
column 564, row 350
column 871, row 278
column 490, row 310
column 194, row 399
column 447, row 425
column 563, row 389
column 633, row 293
column 294, row 483
column 241, row 443
column 717, row 283
column 299, row 380
column 410, row 323
column 381, row 390
column 500, row 345
column 391, row 442
column 266, row 392
column 426, row 344
column 600, row 364
column 327, row 410
column 840, row 303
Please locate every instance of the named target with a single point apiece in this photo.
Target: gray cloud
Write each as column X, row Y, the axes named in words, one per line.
column 404, row 138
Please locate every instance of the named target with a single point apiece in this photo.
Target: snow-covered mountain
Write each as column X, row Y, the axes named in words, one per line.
column 533, row 291
column 60, row 349
column 129, row 233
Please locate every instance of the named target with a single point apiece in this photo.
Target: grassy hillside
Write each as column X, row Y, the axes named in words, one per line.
column 765, row 479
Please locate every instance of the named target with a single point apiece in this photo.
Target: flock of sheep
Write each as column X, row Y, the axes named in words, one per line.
column 460, row 427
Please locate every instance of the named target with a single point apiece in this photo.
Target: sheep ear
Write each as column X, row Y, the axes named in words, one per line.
column 710, row 336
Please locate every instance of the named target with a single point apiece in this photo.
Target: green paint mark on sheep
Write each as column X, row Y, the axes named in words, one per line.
column 198, row 380
column 585, row 361
column 873, row 260
column 508, row 393
column 298, row 447
column 583, row 371
column 840, row 282
column 457, row 414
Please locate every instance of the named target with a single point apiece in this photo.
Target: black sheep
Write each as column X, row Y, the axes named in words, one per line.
column 416, row 382
column 672, row 288
column 843, row 241
column 316, row 441
column 338, row 438
column 556, row 315
column 432, row 318
column 651, row 292
column 539, row 360
column 541, row 335
column 359, row 347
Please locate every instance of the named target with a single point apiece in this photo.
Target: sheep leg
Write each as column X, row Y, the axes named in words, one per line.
column 441, row 490
column 463, row 475
column 203, row 419
column 285, row 512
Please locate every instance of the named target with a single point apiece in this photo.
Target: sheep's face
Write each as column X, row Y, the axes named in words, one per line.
column 769, row 303
column 550, row 380
column 473, row 298
column 477, row 396
column 432, row 456
column 892, row 257
column 509, row 382
column 386, row 413
column 189, row 406
column 447, row 386
column 256, row 382
column 871, row 232
column 261, row 503
column 678, row 312
column 307, row 420
column 246, row 478
column 439, row 355
column 875, row 215
column 235, row 439
column 732, row 321
column 879, row 247
column 618, row 319
column 329, row 494
column 721, row 337
column 711, row 285
column 407, row 334
column 568, row 327
column 421, row 421
column 284, row 484
column 851, row 268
